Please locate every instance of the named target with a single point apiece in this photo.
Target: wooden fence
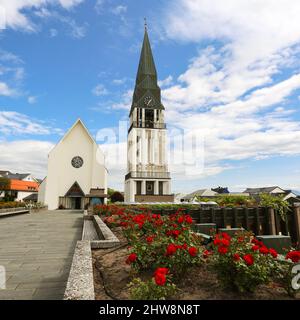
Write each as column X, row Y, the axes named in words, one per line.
column 259, row 220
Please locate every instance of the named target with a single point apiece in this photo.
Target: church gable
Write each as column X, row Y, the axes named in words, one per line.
column 75, row 191
column 78, row 133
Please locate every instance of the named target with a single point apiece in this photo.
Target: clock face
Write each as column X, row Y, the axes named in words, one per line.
column 149, row 101
column 77, row 162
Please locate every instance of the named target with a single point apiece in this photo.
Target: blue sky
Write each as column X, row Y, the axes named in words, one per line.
column 230, row 76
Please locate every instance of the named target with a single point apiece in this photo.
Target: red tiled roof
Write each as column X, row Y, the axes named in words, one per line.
column 19, row 185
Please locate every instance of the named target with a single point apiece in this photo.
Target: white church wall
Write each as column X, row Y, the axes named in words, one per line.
column 61, row 173
column 42, row 190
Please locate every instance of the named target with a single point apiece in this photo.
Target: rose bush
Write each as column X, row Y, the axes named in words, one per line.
column 161, row 240
column 159, row 287
column 242, row 262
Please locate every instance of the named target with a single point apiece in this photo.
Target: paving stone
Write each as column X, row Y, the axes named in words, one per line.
column 37, row 251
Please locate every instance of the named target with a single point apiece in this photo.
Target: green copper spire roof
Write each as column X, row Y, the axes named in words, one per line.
column 146, row 65
column 146, row 79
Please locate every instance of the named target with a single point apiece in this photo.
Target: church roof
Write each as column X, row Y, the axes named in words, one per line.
column 146, row 78
column 146, row 64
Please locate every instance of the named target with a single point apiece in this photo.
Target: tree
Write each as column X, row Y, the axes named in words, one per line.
column 4, row 184
column 117, row 197
column 110, row 191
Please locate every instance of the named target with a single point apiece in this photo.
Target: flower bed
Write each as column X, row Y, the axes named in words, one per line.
column 162, row 253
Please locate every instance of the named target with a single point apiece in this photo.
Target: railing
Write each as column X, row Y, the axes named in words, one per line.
column 146, row 174
column 259, row 220
column 148, row 124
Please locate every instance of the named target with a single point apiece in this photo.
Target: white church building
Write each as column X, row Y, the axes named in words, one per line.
column 77, row 176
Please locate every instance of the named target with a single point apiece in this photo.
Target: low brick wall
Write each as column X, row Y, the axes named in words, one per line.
column 154, row 198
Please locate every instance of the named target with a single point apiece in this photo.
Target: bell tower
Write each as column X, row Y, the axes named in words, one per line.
column 148, row 178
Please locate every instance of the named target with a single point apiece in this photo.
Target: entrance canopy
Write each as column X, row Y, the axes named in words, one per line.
column 75, row 191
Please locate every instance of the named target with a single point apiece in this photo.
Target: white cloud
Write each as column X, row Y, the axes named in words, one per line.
column 76, row 31
column 100, row 90
column 6, row 56
column 12, row 74
column 16, row 11
column 25, row 156
column 166, row 82
column 32, row 99
column 69, row 3
column 119, row 10
column 5, row 90
column 53, row 33
column 119, row 81
column 15, row 123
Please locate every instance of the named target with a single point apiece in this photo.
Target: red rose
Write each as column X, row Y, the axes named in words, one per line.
column 255, row 241
column 255, row 248
column 264, row 250
column 184, row 246
column 188, row 220
column 176, row 233
column 131, row 258
column 161, row 271
column 223, row 250
column 171, row 249
column 150, row 239
column 241, row 239
column 236, row 257
column 248, row 258
column 226, row 236
column 160, row 279
column 217, row 241
column 225, row 242
column 273, row 253
column 180, row 219
column 193, row 251
column 294, row 256
column 206, row 253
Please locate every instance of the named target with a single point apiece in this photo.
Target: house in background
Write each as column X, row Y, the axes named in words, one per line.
column 275, row 190
column 21, row 185
column 203, row 193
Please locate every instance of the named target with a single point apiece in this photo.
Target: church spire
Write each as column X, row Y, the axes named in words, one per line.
column 146, row 65
column 146, row 78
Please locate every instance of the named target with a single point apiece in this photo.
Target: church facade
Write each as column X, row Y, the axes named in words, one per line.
column 147, row 178
column 77, row 176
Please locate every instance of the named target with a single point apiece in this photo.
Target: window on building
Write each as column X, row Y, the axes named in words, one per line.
column 160, row 188
column 139, row 187
column 149, row 187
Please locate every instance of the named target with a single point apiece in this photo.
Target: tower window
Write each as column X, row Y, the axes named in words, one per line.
column 149, row 118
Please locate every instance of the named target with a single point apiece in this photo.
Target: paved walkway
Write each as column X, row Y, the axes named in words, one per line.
column 36, row 250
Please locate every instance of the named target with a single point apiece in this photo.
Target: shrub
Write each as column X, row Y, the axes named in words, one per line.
column 233, row 201
column 159, row 287
column 11, row 204
column 241, row 263
column 278, row 203
column 117, row 197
